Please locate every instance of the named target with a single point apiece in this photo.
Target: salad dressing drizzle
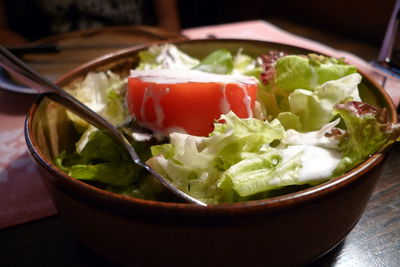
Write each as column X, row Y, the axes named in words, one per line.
column 157, row 106
column 156, row 95
column 225, row 107
column 146, row 97
column 247, row 101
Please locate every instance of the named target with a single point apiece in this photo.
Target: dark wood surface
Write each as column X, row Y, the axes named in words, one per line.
column 375, row 240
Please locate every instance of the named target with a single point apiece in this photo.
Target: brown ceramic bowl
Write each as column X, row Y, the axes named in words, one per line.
column 292, row 229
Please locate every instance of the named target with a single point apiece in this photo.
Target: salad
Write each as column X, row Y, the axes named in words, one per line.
column 226, row 128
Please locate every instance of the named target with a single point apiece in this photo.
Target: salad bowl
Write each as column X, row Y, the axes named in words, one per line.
column 286, row 230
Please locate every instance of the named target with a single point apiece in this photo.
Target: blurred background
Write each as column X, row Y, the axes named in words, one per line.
column 353, row 25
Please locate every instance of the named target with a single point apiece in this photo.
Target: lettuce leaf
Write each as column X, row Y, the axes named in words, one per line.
column 283, row 74
column 253, row 174
column 166, row 56
column 368, row 130
column 220, row 62
column 307, row 72
column 98, row 158
column 246, row 65
column 223, row 62
column 104, row 93
column 314, row 108
column 245, row 158
column 196, row 164
column 301, row 158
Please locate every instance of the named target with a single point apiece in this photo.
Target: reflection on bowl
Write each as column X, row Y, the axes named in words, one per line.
column 291, row 229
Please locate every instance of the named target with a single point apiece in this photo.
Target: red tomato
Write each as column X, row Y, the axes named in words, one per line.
column 192, row 107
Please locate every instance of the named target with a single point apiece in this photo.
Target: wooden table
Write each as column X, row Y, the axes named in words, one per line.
column 375, row 240
column 76, row 48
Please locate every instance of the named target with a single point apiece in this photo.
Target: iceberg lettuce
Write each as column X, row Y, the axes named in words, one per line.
column 165, row 56
column 301, row 158
column 220, row 62
column 195, row 164
column 223, row 62
column 104, row 93
column 246, row 65
column 307, row 72
column 284, row 74
column 242, row 158
column 314, row 108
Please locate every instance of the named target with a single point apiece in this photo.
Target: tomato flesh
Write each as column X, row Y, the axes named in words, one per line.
column 190, row 107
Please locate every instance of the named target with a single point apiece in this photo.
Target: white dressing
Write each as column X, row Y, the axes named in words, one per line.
column 141, row 137
column 156, row 96
column 171, row 58
column 224, row 105
column 247, row 102
column 317, row 138
column 317, row 162
column 172, row 76
column 318, row 155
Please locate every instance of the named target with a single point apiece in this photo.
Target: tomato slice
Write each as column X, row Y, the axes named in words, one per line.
column 190, row 107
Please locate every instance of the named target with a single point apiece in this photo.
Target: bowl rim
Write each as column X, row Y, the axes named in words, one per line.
column 282, row 201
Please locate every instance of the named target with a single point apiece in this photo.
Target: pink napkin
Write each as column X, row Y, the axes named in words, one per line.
column 23, row 197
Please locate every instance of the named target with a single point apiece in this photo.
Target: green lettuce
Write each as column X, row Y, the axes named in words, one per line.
column 165, row 56
column 246, row 65
column 283, row 75
column 307, row 72
column 223, row 62
column 255, row 174
column 196, row 164
column 98, row 158
column 220, row 62
column 245, row 159
column 287, row 164
column 313, row 109
column 104, row 93
column 367, row 130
